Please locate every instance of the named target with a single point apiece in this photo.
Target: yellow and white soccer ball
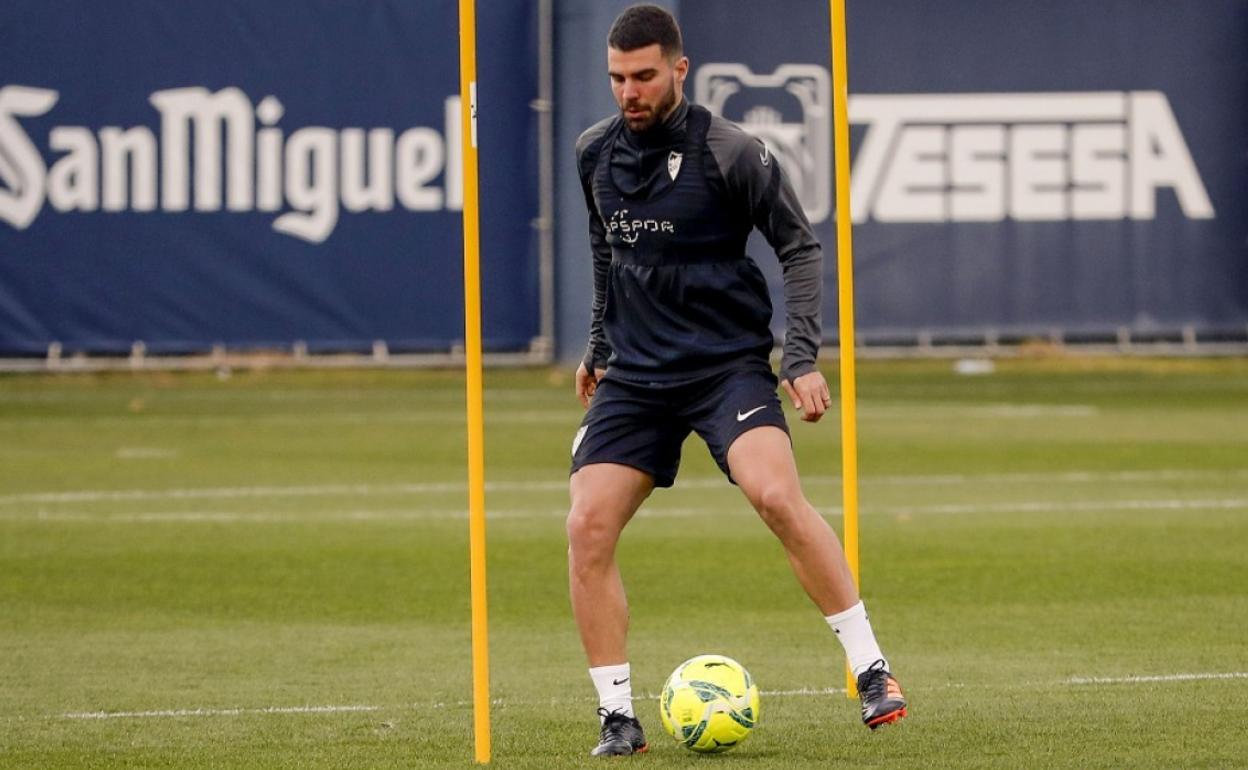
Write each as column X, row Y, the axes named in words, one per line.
column 709, row 704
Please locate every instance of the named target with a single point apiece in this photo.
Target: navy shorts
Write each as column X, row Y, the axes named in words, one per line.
column 643, row 425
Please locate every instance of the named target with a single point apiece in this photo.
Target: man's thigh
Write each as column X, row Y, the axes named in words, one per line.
column 609, row 494
column 763, row 465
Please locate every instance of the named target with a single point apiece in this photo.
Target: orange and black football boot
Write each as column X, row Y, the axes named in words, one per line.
column 882, row 701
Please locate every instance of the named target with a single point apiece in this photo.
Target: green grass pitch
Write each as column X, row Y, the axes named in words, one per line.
column 270, row 570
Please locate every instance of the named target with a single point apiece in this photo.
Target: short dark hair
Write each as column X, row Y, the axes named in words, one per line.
column 642, row 25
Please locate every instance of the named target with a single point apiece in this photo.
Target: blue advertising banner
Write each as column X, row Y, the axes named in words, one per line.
column 1017, row 167
column 252, row 174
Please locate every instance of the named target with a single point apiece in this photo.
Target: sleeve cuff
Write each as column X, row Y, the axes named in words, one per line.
column 791, row 372
column 595, row 359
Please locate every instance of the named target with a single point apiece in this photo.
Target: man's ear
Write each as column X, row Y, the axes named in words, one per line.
column 682, row 69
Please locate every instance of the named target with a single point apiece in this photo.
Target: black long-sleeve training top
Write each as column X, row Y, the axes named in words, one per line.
column 670, row 209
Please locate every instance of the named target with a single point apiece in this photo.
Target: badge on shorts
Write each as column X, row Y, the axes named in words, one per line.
column 673, row 164
column 576, row 442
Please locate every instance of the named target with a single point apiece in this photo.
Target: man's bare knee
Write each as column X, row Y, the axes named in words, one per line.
column 781, row 506
column 592, row 533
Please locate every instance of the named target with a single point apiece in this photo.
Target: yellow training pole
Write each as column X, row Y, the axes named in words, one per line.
column 845, row 281
column 472, row 345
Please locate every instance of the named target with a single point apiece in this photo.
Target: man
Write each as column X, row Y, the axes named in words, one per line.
column 680, row 341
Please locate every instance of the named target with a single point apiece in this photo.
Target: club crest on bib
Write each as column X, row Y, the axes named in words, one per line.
column 673, row 164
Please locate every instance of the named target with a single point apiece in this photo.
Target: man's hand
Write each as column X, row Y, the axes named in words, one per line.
column 587, row 383
column 809, row 394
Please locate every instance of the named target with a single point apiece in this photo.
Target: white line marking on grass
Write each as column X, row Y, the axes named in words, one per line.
column 452, row 417
column 264, row 517
column 287, row 395
column 1029, row 506
column 145, row 420
column 1044, row 506
column 1059, row 477
column 938, row 411
column 795, row 693
column 802, row 692
column 1157, row 678
column 206, row 712
column 559, row 485
column 145, row 453
column 425, row 514
column 213, row 493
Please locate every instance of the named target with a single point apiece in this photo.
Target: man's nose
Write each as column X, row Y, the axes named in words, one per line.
column 629, row 91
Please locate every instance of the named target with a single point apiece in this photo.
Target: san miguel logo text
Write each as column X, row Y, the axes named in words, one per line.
column 219, row 151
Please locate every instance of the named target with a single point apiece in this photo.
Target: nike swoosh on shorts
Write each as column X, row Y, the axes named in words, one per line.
column 743, row 416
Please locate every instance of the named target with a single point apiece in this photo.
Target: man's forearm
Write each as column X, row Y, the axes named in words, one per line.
column 803, row 297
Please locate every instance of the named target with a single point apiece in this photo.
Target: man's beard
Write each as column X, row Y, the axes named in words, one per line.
column 655, row 116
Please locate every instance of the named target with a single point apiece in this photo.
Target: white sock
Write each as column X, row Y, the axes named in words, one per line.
column 854, row 630
column 615, row 688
